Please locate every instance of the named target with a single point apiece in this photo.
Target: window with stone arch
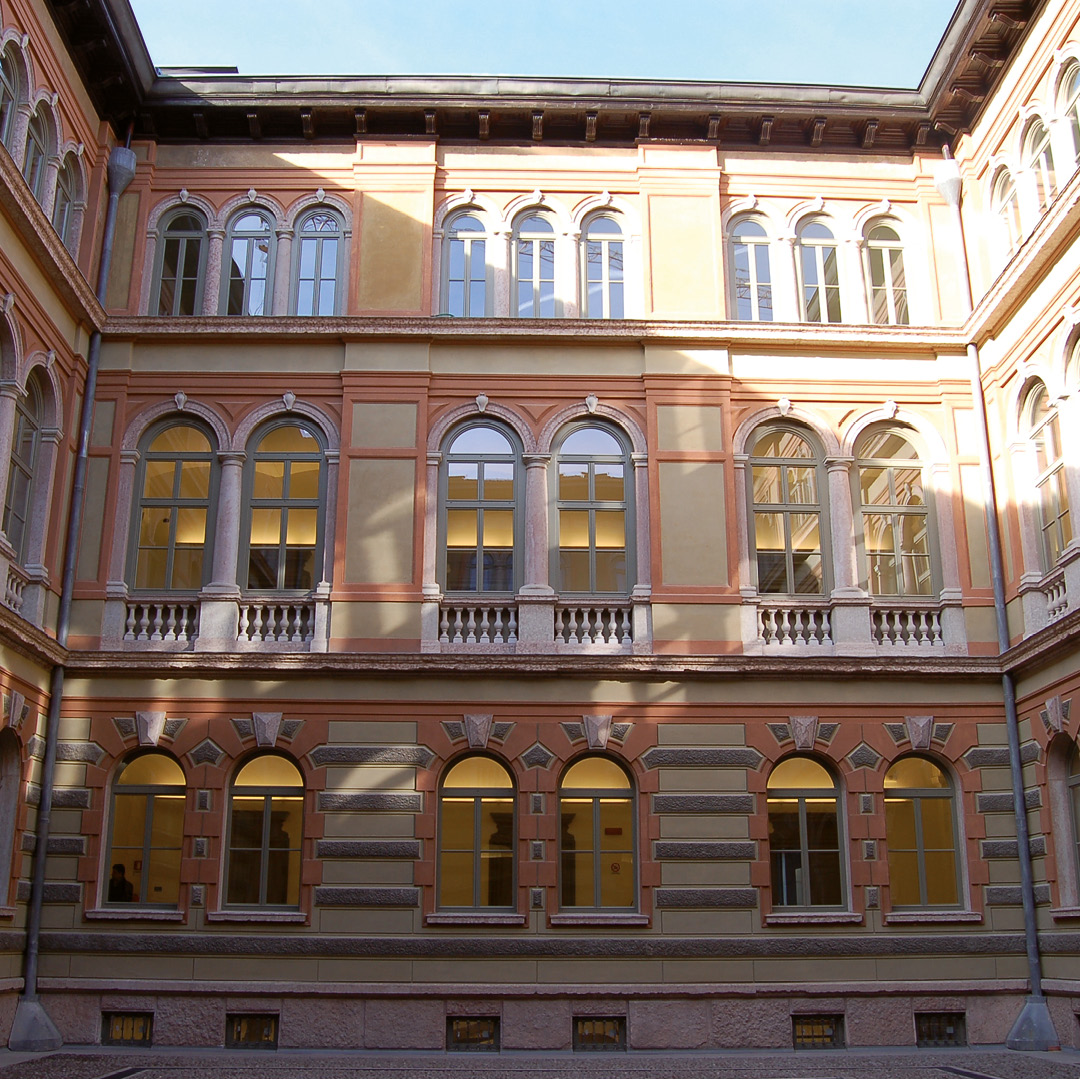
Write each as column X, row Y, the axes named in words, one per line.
column 593, row 510
column 603, row 277
column 146, row 833
column 895, row 523
column 1069, row 103
column 819, row 273
column 23, row 473
column 597, row 837
column 1043, row 428
column 805, row 850
column 10, row 94
column 1039, row 161
column 753, row 274
column 921, row 836
column 285, row 499
column 534, row 267
column 180, row 270
column 482, row 492
column 250, row 246
column 177, row 480
column 787, row 520
column 67, row 193
column 265, row 834
column 476, row 836
column 467, row 285
column 36, row 159
column 885, row 277
column 1005, row 205
column 317, row 272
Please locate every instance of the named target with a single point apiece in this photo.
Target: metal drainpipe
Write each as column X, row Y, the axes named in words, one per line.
column 1033, row 1029
column 32, row 1028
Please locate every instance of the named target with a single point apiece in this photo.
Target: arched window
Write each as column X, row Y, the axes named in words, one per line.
column 819, row 274
column 753, row 279
column 173, row 548
column 1051, row 491
column 1069, row 97
column 602, row 246
column 1074, row 802
column 482, row 488
column 285, row 485
column 318, row 263
column 63, row 218
column 248, row 288
column 888, row 283
column 29, row 418
column 1039, row 159
column 804, row 835
column 597, row 841
column 895, row 526
column 466, row 290
column 476, row 835
column 592, row 506
column 10, row 762
column 534, row 268
column 9, row 95
column 266, row 829
column 181, row 264
column 1006, row 207
column 920, row 831
column 787, row 515
column 37, row 154
column 147, row 832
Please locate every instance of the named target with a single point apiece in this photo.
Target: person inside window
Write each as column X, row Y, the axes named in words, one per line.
column 121, row 891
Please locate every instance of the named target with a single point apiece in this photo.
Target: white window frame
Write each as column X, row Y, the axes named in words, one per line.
column 888, row 289
column 250, row 239
column 755, row 286
column 469, row 239
column 605, row 241
column 816, row 247
column 537, row 280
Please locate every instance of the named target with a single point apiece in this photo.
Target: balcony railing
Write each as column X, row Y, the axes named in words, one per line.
column 1057, row 596
column 478, row 624
column 16, row 583
column 168, row 623
column 907, row 627
column 275, row 622
column 594, row 624
column 808, row 625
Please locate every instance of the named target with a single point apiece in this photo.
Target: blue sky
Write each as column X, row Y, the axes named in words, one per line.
column 842, row 42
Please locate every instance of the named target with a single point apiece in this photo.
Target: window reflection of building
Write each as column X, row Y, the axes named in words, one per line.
column 804, row 835
column 476, row 836
column 597, row 838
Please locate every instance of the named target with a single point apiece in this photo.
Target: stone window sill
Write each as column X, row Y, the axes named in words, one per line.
column 257, row 916
column 1055, row 913
column 900, row 917
column 7, row 912
column 140, row 914
column 600, row 918
column 812, row 918
column 477, row 918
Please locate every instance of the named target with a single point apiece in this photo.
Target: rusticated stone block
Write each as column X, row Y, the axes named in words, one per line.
column 979, row 757
column 333, row 896
column 703, row 804
column 705, row 849
column 321, row 1022
column 189, row 1021
column 740, row 1024
column 391, row 801
column 77, row 1016
column 71, row 799
column 367, row 849
column 500, row 732
column 535, row 1024
column 404, row 1024
column 87, row 752
column 419, row 756
column 705, row 898
column 665, row 1025
column 879, row 1021
column 701, row 757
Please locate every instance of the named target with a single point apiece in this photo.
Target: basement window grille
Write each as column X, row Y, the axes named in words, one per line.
column 940, row 1029
column 127, row 1029
column 251, row 1031
column 599, row 1032
column 818, row 1032
column 472, row 1033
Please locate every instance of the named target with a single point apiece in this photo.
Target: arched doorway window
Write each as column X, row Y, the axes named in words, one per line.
column 597, row 841
column 476, row 835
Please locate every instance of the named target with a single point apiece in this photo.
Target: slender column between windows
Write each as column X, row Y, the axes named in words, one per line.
column 842, row 520
column 48, row 195
column 431, row 530
column 643, row 588
column 212, row 285
column 499, row 255
column 9, row 395
column 536, row 525
column 851, row 270
column 283, row 272
column 227, row 526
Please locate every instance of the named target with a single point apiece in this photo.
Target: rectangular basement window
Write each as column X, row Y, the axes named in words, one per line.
column 127, row 1029
column 472, row 1033
column 940, row 1029
column 251, row 1031
column 599, row 1032
column 818, row 1032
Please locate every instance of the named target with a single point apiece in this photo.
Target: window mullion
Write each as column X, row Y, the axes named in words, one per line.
column 148, row 827
column 478, row 814
column 803, row 890
column 920, row 849
column 264, row 857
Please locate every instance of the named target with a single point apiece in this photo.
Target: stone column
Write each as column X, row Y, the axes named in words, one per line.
column 211, row 301
column 219, row 613
column 19, row 127
column 850, row 603
column 536, row 598
column 48, row 192
column 116, row 589
column 953, row 624
column 282, row 302
column 642, row 591
column 787, row 306
column 748, row 615
column 853, row 284
column 438, row 271
column 432, row 594
column 501, row 261
column 568, row 275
